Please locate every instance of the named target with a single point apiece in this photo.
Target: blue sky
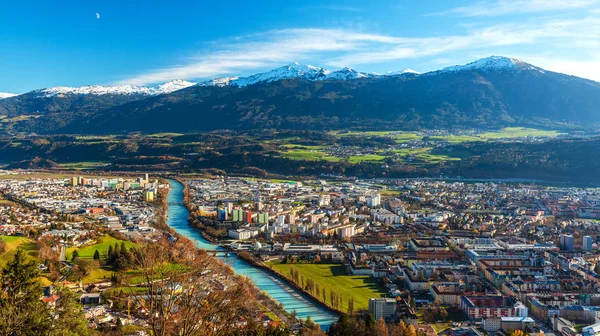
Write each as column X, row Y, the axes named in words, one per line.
column 76, row 42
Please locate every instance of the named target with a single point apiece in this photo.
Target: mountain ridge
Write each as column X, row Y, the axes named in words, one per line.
column 289, row 71
column 492, row 92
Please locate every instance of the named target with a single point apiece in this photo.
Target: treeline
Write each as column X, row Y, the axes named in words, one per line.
column 367, row 326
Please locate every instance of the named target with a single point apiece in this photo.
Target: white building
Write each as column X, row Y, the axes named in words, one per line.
column 374, row 201
column 242, row 234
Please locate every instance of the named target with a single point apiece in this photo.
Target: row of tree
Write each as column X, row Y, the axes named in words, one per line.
column 367, row 326
column 310, row 286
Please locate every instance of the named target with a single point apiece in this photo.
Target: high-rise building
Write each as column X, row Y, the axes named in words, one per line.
column 567, row 242
column 149, row 196
column 237, row 215
column 383, row 308
column 324, row 200
column 263, row 218
column 222, row 214
column 374, row 201
column 258, row 206
column 290, row 218
column 247, row 217
column 146, row 177
column 587, row 243
column 74, row 181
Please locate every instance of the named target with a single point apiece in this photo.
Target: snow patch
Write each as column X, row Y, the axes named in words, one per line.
column 168, row 87
column 7, row 95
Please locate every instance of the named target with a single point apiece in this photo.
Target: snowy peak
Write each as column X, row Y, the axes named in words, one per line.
column 174, row 85
column 6, row 95
column 493, row 63
column 348, row 74
column 402, row 72
column 292, row 70
column 99, row 90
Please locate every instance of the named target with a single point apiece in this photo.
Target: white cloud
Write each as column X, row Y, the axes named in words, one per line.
column 340, row 47
column 506, row 7
column 97, row 16
column 585, row 68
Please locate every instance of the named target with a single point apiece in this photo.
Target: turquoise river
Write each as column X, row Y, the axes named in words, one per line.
column 292, row 300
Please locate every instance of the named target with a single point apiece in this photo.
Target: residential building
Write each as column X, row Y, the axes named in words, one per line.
column 383, row 308
column 587, row 243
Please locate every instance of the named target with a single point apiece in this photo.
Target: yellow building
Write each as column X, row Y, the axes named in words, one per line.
column 74, row 181
column 149, row 196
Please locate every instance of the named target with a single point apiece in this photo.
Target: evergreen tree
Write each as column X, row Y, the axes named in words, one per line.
column 110, row 252
column 75, row 255
column 21, row 310
column 96, row 255
column 120, row 324
column 68, row 315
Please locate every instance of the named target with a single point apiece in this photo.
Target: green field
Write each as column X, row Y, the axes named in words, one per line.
column 334, row 278
column 13, row 243
column 366, row 158
column 87, row 252
column 505, row 133
column 308, row 154
column 82, row 165
column 399, row 137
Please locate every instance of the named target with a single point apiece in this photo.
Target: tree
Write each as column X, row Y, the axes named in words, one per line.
column 21, row 310
column 75, row 255
column 398, row 330
column 411, row 331
column 370, row 321
column 178, row 311
column 96, row 255
column 351, row 306
column 380, row 328
column 109, row 254
column 119, row 324
column 69, row 319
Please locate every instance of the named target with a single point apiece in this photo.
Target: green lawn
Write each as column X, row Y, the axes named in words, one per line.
column 334, row 278
column 13, row 243
column 87, row 252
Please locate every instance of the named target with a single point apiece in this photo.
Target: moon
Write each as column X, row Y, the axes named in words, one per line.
column 97, row 16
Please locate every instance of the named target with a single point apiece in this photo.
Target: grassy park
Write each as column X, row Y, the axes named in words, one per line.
column 102, row 245
column 333, row 278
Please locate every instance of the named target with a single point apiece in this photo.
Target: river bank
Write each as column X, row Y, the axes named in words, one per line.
column 258, row 263
column 289, row 297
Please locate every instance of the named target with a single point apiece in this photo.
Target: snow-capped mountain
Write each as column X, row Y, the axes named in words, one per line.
column 168, row 87
column 292, row 70
column 493, row 63
column 402, row 72
column 6, row 95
